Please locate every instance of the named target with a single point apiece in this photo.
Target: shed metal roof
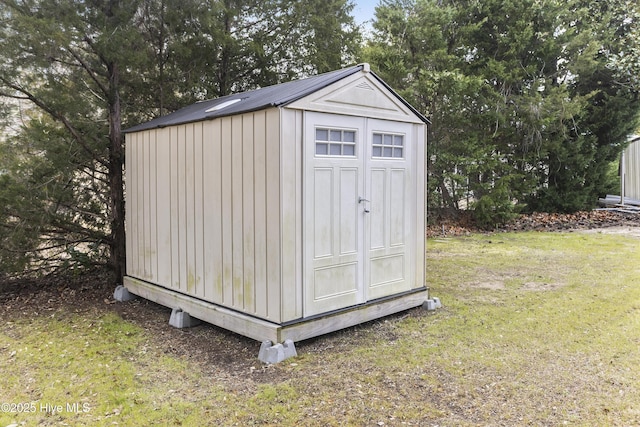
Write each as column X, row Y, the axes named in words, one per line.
column 259, row 99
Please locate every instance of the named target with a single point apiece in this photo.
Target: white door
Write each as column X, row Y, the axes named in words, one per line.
column 356, row 218
column 388, row 187
column 333, row 238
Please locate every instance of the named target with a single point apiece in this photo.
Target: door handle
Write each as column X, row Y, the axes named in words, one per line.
column 362, row 199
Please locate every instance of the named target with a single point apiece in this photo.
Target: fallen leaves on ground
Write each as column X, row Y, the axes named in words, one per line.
column 463, row 224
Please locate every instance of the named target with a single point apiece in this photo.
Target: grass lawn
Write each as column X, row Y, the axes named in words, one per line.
column 536, row 329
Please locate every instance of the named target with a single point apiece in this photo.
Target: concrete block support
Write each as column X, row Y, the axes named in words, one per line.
column 276, row 353
column 181, row 319
column 122, row 294
column 432, row 303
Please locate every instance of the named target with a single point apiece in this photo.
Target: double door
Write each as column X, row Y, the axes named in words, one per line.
column 357, row 210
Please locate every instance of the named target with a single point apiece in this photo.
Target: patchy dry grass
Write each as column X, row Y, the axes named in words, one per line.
column 536, row 329
column 565, row 353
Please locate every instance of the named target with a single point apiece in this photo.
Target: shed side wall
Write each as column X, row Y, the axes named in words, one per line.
column 632, row 171
column 420, row 137
column 203, row 210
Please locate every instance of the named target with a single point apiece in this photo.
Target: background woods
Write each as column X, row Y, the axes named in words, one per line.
column 530, row 101
column 75, row 73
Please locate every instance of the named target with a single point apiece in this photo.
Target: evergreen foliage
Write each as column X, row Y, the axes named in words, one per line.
column 73, row 74
column 529, row 101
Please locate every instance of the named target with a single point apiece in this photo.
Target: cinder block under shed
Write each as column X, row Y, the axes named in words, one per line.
column 276, row 353
column 122, row 294
column 181, row 319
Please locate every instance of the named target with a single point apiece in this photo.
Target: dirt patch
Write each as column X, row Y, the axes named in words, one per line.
column 626, row 230
column 541, row 286
column 496, row 285
column 493, row 285
column 527, row 286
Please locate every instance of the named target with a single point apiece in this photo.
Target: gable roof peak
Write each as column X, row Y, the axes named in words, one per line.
column 254, row 100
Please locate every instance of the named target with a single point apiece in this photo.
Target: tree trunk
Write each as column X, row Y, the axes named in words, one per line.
column 224, row 86
column 116, row 182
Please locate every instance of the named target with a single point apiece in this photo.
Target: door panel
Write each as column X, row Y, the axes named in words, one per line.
column 387, row 177
column 333, row 217
column 335, row 281
column 387, row 269
column 323, row 208
column 349, row 218
column 377, row 213
column 397, row 207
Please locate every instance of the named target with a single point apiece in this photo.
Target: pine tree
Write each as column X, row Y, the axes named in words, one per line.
column 66, row 59
column 578, row 168
column 529, row 101
column 82, row 71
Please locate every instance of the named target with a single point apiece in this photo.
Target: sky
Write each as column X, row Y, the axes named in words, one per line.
column 364, row 10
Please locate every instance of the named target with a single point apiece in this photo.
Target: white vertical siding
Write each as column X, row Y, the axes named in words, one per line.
column 182, row 222
column 273, row 215
column 163, row 200
column 248, row 216
column 227, row 213
column 203, row 212
column 144, row 182
column 632, row 171
column 199, row 209
column 152, row 189
column 213, row 214
column 420, row 165
column 261, row 245
column 129, row 182
column 142, row 209
column 237, row 261
column 174, row 217
column 291, row 173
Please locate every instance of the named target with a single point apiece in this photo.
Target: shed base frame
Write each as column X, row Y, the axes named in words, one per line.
column 261, row 330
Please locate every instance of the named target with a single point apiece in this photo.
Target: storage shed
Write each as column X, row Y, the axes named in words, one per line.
column 281, row 213
column 630, row 172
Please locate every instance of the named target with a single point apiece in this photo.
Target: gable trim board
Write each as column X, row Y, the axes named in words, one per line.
column 218, row 203
column 281, row 95
column 358, row 93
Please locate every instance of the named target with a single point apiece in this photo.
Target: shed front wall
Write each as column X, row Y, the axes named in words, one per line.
column 356, row 252
column 204, row 205
column 364, row 215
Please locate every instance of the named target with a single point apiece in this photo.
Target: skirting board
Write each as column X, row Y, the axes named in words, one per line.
column 262, row 330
